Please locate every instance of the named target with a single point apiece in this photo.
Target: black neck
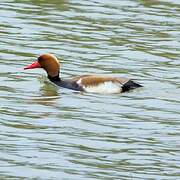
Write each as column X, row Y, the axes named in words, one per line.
column 55, row 78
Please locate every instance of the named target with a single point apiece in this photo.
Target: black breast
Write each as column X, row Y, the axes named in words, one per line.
column 65, row 84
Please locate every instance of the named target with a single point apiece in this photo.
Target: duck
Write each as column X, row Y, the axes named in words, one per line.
column 102, row 84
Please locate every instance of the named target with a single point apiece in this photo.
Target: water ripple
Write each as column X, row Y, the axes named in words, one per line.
column 47, row 132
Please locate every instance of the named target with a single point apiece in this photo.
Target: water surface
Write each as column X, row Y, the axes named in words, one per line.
column 52, row 133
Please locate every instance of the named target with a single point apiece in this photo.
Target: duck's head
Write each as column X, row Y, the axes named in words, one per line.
column 48, row 62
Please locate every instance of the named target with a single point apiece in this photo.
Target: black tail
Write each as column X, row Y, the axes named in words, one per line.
column 130, row 85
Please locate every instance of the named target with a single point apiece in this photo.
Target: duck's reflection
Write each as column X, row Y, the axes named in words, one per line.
column 49, row 93
column 48, row 89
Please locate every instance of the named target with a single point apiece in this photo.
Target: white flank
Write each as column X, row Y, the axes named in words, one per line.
column 79, row 81
column 108, row 87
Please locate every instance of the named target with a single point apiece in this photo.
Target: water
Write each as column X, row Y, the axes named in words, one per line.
column 52, row 133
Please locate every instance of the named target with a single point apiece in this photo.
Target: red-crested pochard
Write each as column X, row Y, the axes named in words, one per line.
column 87, row 83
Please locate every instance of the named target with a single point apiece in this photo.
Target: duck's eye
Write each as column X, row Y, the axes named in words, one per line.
column 40, row 58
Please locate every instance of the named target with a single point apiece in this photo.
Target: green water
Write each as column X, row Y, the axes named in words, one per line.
column 52, row 133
